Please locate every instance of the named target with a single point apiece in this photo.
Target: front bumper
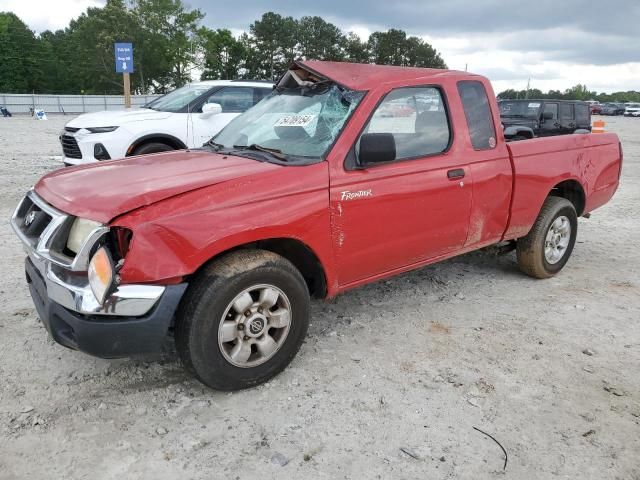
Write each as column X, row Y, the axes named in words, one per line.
column 105, row 336
column 82, row 144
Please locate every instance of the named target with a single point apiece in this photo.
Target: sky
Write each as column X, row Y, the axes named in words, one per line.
column 555, row 43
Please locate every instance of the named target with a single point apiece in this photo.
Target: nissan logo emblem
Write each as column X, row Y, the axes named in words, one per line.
column 28, row 220
column 256, row 326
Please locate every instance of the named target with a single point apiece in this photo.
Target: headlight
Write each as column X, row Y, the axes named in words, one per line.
column 101, row 274
column 101, row 129
column 79, row 232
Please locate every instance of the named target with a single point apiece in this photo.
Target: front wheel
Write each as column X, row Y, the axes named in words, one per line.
column 242, row 320
column 548, row 246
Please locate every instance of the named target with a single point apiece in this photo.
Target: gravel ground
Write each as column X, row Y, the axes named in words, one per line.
column 390, row 383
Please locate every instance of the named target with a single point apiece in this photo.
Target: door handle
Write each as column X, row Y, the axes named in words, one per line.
column 455, row 173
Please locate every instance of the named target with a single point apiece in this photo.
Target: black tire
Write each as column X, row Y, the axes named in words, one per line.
column 530, row 250
column 205, row 303
column 152, row 147
column 518, row 138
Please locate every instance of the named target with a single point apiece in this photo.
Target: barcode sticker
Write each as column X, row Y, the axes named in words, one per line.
column 294, row 121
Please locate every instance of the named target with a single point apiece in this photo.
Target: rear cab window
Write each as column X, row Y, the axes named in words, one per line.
column 566, row 111
column 417, row 119
column 583, row 116
column 478, row 114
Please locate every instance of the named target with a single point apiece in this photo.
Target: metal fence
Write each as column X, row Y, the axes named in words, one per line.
column 68, row 104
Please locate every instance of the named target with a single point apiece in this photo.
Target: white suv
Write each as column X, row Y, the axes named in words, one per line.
column 632, row 110
column 186, row 117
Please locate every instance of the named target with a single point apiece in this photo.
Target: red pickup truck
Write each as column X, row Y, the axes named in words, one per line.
column 344, row 175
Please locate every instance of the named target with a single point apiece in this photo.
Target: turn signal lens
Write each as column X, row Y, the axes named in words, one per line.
column 101, row 274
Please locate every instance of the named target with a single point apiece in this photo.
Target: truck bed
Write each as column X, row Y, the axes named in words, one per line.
column 588, row 163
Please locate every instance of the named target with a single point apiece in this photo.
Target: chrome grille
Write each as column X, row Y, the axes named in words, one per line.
column 45, row 230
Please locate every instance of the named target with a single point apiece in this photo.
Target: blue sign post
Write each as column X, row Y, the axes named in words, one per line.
column 124, row 57
column 124, row 65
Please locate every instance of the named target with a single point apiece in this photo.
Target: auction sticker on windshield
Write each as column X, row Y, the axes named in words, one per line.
column 294, row 121
column 534, row 105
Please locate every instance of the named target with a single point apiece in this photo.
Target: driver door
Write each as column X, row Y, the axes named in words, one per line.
column 390, row 215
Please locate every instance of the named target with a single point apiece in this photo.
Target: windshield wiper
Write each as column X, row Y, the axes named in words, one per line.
column 216, row 146
column 272, row 151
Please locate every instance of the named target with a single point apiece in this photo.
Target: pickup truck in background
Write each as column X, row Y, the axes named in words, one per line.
column 523, row 119
column 344, row 175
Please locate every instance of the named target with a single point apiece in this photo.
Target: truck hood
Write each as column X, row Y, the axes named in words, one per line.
column 116, row 118
column 103, row 191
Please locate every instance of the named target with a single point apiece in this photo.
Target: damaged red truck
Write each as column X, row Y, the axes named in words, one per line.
column 344, row 175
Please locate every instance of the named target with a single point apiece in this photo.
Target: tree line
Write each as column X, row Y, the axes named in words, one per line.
column 170, row 46
column 577, row 92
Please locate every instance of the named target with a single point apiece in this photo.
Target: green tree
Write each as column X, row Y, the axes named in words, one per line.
column 20, row 56
column 578, row 92
column 169, row 40
column 224, row 56
column 393, row 47
column 356, row 50
column 273, row 43
column 320, row 40
column 86, row 50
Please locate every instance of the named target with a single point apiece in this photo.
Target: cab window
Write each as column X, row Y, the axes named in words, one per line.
column 478, row 114
column 566, row 111
column 417, row 119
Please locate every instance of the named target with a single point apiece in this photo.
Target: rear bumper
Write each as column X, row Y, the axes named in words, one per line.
column 104, row 336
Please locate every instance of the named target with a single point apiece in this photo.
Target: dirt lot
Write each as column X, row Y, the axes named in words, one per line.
column 390, row 383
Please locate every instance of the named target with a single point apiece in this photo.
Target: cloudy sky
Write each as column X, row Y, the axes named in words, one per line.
column 556, row 43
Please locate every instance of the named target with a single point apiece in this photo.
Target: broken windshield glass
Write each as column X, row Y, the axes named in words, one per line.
column 294, row 122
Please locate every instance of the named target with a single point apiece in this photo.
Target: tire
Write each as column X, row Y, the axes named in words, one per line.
column 533, row 257
column 517, row 138
column 152, row 147
column 210, row 306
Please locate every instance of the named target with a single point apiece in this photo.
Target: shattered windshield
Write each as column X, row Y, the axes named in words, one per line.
column 519, row 109
column 292, row 122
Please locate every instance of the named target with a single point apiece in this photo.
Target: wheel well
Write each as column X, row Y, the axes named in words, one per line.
column 572, row 191
column 302, row 257
column 156, row 138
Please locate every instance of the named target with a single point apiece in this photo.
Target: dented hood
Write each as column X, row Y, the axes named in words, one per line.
column 103, row 191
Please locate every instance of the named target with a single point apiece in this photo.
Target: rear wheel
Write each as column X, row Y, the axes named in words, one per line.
column 548, row 246
column 152, row 147
column 242, row 320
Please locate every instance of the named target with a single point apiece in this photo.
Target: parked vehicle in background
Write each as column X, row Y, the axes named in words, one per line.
column 595, row 109
column 612, row 109
column 186, row 117
column 632, row 110
column 524, row 119
column 314, row 191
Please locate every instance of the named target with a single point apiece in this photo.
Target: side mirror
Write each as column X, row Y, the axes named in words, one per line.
column 547, row 116
column 209, row 109
column 376, row 148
